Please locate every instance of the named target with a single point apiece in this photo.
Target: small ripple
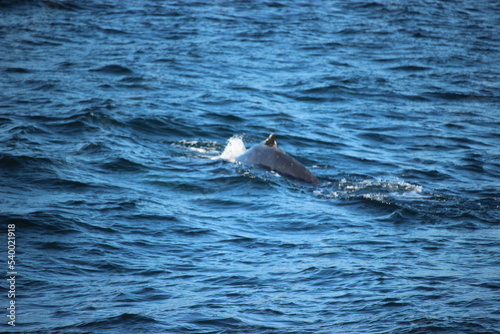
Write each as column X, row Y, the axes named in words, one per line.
column 136, row 86
column 132, row 79
column 17, row 70
column 410, row 68
column 98, row 148
column 17, row 162
column 124, row 321
column 223, row 203
column 51, row 221
column 62, row 5
column 123, row 165
column 425, row 174
column 458, row 96
column 113, row 69
column 160, row 126
column 377, row 137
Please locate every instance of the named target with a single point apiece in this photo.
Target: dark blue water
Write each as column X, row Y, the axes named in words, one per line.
column 113, row 114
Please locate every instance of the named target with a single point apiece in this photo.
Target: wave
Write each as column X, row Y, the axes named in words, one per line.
column 124, row 321
column 113, row 69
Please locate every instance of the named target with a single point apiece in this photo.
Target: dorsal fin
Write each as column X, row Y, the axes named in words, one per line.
column 271, row 140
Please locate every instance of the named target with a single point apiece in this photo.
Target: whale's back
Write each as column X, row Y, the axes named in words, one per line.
column 274, row 158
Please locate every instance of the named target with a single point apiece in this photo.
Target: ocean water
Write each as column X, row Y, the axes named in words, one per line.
column 119, row 121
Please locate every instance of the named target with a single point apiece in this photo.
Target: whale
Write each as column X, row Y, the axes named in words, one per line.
column 268, row 155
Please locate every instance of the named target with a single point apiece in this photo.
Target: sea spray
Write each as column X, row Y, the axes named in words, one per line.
column 234, row 148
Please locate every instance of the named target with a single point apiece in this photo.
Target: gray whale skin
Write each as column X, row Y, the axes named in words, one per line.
column 270, row 156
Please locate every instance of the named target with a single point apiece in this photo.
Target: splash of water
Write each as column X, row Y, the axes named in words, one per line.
column 234, row 148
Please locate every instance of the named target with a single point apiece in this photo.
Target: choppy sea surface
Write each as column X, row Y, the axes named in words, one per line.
column 114, row 117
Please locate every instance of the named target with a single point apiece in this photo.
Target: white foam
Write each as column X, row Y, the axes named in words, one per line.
column 199, row 150
column 383, row 185
column 234, row 148
column 204, row 148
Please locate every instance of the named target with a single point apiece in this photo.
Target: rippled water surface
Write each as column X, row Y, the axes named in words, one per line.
column 113, row 119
